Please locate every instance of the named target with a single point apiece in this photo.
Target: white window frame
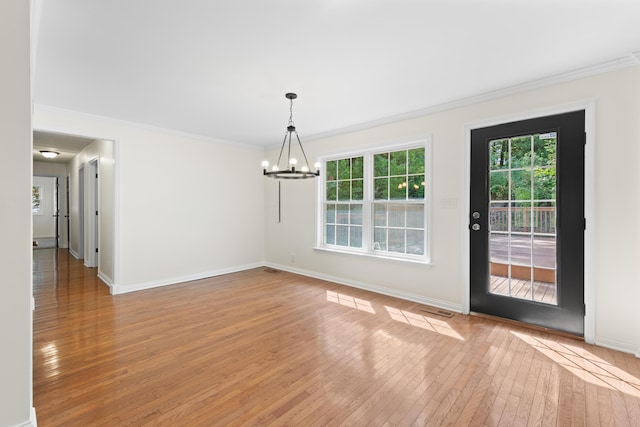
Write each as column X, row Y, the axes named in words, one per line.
column 368, row 202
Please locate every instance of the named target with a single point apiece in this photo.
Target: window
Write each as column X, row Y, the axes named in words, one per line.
column 36, row 200
column 375, row 203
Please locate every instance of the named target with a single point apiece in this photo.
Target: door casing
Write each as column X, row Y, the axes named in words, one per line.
column 589, row 196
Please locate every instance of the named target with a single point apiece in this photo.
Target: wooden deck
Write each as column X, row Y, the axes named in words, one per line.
column 520, row 288
column 271, row 348
column 544, row 250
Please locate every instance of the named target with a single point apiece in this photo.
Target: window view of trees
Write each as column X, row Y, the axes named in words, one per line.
column 394, row 202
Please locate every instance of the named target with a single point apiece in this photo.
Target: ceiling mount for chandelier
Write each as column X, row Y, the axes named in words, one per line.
column 290, row 169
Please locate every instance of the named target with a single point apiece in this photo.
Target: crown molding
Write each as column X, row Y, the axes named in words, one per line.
column 41, row 108
column 617, row 64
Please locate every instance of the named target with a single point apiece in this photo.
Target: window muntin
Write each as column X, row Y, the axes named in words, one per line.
column 375, row 203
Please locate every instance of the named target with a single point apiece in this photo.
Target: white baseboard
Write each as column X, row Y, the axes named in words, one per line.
column 33, row 422
column 625, row 347
column 106, row 279
column 445, row 305
column 122, row 289
column 74, row 254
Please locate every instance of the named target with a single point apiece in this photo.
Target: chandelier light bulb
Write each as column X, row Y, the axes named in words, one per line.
column 293, row 162
column 275, row 168
column 317, row 165
column 305, row 168
column 265, row 164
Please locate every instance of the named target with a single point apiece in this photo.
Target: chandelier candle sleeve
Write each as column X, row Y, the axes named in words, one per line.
column 289, row 167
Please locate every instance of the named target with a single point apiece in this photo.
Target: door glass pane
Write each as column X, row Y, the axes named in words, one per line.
column 522, row 217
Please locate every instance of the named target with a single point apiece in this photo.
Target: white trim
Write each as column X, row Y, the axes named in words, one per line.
column 371, row 288
column 367, row 153
column 33, row 421
column 74, row 254
column 589, row 250
column 106, row 279
column 623, row 346
column 124, row 123
column 613, row 65
column 122, row 289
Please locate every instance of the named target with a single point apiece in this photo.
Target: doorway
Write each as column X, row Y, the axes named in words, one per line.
column 44, row 205
column 527, row 222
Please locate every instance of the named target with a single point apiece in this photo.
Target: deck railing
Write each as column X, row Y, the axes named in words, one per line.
column 523, row 219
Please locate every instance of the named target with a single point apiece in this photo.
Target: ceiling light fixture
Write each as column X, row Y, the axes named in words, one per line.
column 290, row 170
column 49, row 154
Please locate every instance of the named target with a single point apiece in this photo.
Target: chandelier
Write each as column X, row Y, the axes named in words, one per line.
column 290, row 170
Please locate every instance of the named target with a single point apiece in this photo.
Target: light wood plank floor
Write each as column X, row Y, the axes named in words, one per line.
column 274, row 348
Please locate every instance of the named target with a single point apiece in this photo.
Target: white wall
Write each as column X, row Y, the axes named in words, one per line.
column 104, row 152
column 58, row 170
column 15, row 214
column 186, row 207
column 616, row 269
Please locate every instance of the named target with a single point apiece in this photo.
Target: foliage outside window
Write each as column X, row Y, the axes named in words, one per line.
column 374, row 203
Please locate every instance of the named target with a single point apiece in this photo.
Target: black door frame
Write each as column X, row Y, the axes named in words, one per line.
column 589, row 274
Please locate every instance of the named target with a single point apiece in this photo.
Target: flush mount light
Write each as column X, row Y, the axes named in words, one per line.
column 290, row 170
column 49, row 154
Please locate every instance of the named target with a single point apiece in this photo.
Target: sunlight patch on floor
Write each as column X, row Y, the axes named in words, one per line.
column 349, row 301
column 424, row 322
column 585, row 365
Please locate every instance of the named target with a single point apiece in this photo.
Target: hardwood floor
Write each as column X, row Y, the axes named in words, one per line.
column 272, row 348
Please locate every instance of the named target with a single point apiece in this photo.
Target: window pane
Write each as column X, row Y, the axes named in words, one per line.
column 499, row 217
column 355, row 240
column 381, row 164
column 544, row 183
column 545, row 217
column 396, row 216
column 415, row 216
column 344, row 168
column 415, row 242
column 342, row 214
column 416, row 187
column 521, row 152
column 416, row 160
column 344, row 190
column 545, row 149
column 330, row 235
column 356, row 214
column 521, row 185
column 521, row 217
column 398, row 163
column 380, row 239
column 331, row 214
column 358, row 189
column 332, row 168
column 357, row 167
column 396, row 241
column 499, row 152
column 332, row 190
column 381, row 188
column 398, row 188
column 499, row 185
column 379, row 215
column 342, row 235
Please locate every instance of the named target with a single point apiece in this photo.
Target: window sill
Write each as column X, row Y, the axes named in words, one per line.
column 373, row 255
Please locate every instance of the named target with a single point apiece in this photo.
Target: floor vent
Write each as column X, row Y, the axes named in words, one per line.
column 438, row 312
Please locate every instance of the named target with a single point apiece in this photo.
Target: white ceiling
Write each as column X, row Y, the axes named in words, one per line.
column 220, row 68
column 66, row 145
